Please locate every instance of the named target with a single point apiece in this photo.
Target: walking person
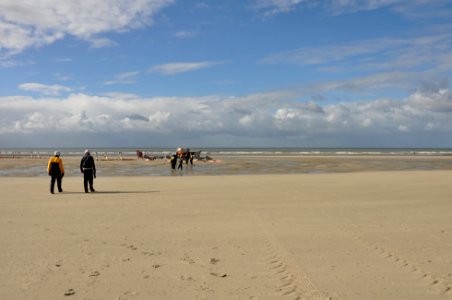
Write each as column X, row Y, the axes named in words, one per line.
column 181, row 162
column 56, row 171
column 191, row 158
column 88, row 168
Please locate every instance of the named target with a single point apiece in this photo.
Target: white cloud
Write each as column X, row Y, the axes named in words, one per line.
column 8, row 63
column 410, row 8
column 437, row 101
column 44, row 89
column 127, row 75
column 176, row 68
column 272, row 118
column 384, row 53
column 422, row 9
column 24, row 24
column 123, row 78
column 273, row 7
column 347, row 6
column 186, row 34
column 101, row 42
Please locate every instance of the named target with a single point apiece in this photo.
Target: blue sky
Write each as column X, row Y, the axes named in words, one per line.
column 137, row 73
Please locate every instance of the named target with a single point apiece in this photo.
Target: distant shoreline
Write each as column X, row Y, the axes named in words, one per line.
column 229, row 152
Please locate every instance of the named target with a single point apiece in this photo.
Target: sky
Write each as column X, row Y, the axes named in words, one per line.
column 231, row 73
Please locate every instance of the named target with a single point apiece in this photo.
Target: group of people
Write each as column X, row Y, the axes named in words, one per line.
column 56, row 171
column 181, row 157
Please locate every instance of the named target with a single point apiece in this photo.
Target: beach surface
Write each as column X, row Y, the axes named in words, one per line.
column 355, row 235
column 231, row 165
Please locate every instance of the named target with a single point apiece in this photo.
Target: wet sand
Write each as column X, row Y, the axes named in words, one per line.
column 356, row 235
column 232, row 165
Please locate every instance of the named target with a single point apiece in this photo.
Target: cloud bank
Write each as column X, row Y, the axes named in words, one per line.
column 270, row 119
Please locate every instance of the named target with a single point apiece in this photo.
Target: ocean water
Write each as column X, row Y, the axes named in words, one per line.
column 29, row 162
column 30, row 152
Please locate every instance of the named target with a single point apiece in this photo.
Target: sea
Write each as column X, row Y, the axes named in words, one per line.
column 113, row 151
column 32, row 162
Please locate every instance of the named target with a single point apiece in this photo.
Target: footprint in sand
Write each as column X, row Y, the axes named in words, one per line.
column 94, row 274
column 189, row 278
column 448, row 290
column 188, row 259
column 404, row 264
column 128, row 295
column 129, row 246
column 69, row 292
column 145, row 274
column 151, row 253
column 218, row 274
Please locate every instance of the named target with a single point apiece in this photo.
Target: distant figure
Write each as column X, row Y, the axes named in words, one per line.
column 173, row 161
column 187, row 155
column 191, row 158
column 88, row 168
column 56, row 171
column 181, row 162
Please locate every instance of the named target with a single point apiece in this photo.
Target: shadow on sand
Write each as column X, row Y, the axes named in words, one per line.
column 111, row 192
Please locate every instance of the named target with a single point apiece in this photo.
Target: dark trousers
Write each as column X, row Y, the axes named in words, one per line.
column 52, row 183
column 88, row 178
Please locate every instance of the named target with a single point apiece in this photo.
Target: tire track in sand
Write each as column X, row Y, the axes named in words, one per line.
column 290, row 281
column 432, row 281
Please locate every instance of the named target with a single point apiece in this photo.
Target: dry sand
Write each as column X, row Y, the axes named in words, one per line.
column 361, row 235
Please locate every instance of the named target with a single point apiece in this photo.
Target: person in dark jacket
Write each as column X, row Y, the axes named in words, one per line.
column 88, row 168
column 56, row 171
column 181, row 162
column 173, row 161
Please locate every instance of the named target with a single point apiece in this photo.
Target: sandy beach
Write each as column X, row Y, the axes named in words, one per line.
column 356, row 235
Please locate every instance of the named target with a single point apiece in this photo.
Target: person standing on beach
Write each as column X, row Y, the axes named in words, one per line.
column 173, row 161
column 181, row 162
column 56, row 171
column 88, row 168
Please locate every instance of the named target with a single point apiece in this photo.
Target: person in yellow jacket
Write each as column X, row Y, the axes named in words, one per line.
column 56, row 171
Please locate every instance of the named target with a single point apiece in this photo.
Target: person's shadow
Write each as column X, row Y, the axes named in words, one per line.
column 112, row 192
